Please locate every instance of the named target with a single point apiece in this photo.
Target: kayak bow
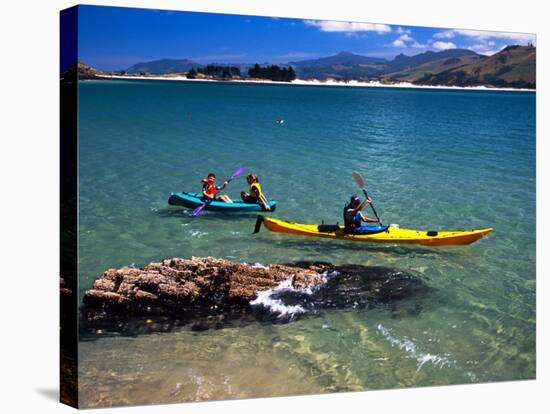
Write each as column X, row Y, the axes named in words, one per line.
column 391, row 234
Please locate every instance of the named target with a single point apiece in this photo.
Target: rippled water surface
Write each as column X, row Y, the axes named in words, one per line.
column 432, row 159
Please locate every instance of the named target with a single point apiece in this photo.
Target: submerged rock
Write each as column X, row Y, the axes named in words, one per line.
column 208, row 293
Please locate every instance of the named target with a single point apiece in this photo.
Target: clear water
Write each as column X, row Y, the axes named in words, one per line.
column 432, row 159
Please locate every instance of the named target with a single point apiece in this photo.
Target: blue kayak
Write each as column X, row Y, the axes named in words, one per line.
column 193, row 200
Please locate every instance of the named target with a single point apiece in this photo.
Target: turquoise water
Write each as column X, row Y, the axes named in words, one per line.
column 432, row 159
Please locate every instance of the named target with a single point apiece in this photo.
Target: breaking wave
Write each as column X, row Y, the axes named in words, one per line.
column 271, row 299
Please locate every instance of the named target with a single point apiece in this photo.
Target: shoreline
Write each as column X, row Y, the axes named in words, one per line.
column 302, row 82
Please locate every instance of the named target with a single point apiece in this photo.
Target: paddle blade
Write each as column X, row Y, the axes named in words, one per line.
column 259, row 222
column 240, row 169
column 358, row 179
column 198, row 210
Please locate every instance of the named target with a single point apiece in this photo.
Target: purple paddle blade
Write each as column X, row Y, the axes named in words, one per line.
column 198, row 210
column 240, row 169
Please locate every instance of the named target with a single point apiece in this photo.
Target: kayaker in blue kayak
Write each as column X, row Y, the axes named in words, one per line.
column 209, row 189
column 256, row 195
column 353, row 216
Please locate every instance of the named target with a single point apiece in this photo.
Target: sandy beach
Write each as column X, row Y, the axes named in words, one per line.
column 330, row 82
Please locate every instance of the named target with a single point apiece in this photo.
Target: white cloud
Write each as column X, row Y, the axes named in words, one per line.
column 447, row 34
column 402, row 40
column 483, row 42
column 490, row 52
column 400, row 30
column 348, row 27
column 484, row 35
column 480, row 47
column 417, row 45
column 443, row 45
column 485, row 49
column 398, row 43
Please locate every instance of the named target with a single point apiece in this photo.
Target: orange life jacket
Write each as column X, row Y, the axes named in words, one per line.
column 211, row 190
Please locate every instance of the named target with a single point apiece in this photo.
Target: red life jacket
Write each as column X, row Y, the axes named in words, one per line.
column 211, row 190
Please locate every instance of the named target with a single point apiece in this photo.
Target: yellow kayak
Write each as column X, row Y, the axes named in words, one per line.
column 391, row 234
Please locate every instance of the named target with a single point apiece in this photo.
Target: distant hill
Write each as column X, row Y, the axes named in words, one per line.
column 514, row 66
column 347, row 65
column 401, row 61
column 342, row 58
column 414, row 73
column 344, row 65
column 163, row 66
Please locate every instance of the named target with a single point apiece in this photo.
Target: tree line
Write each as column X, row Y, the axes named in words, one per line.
column 216, row 71
column 272, row 72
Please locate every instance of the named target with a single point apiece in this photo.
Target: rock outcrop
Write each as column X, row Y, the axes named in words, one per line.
column 80, row 71
column 182, row 283
column 210, row 293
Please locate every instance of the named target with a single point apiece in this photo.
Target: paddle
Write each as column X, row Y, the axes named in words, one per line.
column 240, row 169
column 361, row 183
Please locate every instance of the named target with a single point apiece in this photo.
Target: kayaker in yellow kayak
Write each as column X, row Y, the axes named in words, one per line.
column 256, row 196
column 209, row 189
column 353, row 216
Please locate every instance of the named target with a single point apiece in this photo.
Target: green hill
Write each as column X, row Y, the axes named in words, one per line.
column 514, row 66
column 403, row 62
column 413, row 74
column 347, row 65
column 344, row 65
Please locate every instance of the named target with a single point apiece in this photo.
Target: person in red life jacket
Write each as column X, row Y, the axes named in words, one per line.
column 353, row 216
column 209, row 189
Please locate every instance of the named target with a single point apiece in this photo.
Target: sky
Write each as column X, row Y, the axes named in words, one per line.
column 115, row 38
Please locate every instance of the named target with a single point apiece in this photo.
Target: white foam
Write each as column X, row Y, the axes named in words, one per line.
column 197, row 233
column 276, row 305
column 410, row 347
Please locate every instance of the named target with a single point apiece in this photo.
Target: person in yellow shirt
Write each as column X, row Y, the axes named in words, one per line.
column 256, row 196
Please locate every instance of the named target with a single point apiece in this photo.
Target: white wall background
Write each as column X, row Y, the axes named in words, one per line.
column 29, row 160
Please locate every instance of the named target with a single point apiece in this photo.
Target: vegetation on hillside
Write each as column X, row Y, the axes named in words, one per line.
column 272, row 72
column 514, row 66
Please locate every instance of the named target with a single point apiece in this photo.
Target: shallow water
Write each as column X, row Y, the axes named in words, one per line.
column 432, row 159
